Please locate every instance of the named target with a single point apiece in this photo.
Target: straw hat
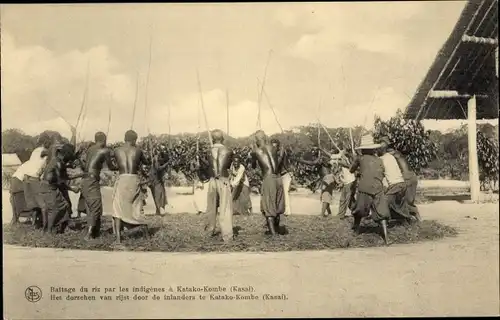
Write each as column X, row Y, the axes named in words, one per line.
column 368, row 143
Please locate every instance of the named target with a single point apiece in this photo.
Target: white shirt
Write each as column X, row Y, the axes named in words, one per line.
column 239, row 175
column 393, row 173
column 19, row 174
column 347, row 176
column 35, row 165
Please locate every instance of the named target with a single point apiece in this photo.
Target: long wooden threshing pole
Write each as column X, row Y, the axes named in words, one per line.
column 343, row 100
column 203, row 108
column 227, row 112
column 135, row 99
column 259, row 100
column 146, row 99
column 328, row 133
column 264, row 92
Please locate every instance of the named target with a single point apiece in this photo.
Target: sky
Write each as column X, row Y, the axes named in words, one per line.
column 338, row 62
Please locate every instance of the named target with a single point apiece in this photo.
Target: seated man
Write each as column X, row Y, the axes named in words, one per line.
column 127, row 200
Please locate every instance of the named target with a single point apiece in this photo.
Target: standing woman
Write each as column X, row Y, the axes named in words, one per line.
column 240, row 185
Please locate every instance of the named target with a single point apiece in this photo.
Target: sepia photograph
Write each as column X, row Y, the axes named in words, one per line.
column 250, row 160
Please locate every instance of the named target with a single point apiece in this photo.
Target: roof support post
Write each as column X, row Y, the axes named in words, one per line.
column 496, row 60
column 473, row 162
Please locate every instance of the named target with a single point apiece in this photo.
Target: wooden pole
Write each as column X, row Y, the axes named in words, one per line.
column 259, row 122
column 135, row 99
column 84, row 99
column 319, row 127
column 473, row 162
column 169, row 112
column 109, row 120
column 352, row 141
column 496, row 61
column 146, row 111
column 227, row 112
column 329, row 136
column 271, row 107
column 479, row 40
column 203, row 109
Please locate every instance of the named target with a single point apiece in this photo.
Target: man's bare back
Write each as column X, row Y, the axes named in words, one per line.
column 221, row 157
column 129, row 159
column 96, row 157
column 268, row 158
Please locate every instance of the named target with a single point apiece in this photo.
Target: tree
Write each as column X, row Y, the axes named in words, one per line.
column 15, row 141
column 409, row 138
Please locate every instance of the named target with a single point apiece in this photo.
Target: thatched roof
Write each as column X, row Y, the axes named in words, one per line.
column 464, row 66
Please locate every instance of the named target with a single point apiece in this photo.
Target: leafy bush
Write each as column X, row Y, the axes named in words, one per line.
column 487, row 156
column 409, row 137
column 431, row 154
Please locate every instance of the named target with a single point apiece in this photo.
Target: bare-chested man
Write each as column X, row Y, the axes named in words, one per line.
column 127, row 202
column 219, row 199
column 272, row 202
column 97, row 155
column 53, row 184
column 286, row 174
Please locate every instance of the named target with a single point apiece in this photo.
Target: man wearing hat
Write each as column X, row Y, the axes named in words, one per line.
column 409, row 176
column 371, row 195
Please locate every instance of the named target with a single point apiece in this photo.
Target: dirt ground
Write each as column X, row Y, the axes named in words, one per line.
column 452, row 277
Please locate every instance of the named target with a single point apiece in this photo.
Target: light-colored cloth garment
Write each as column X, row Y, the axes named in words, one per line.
column 35, row 165
column 327, row 185
column 220, row 204
column 19, row 173
column 17, row 199
column 239, row 176
column 346, row 176
column 272, row 201
column 200, row 196
column 127, row 199
column 287, row 182
column 159, row 194
column 242, row 204
column 392, row 172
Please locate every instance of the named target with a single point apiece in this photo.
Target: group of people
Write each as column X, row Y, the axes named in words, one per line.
column 377, row 183
column 227, row 186
column 41, row 185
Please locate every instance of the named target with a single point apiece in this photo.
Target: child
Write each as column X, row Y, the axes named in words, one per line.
column 327, row 186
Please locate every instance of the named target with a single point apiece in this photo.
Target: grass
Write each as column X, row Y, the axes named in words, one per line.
column 185, row 233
